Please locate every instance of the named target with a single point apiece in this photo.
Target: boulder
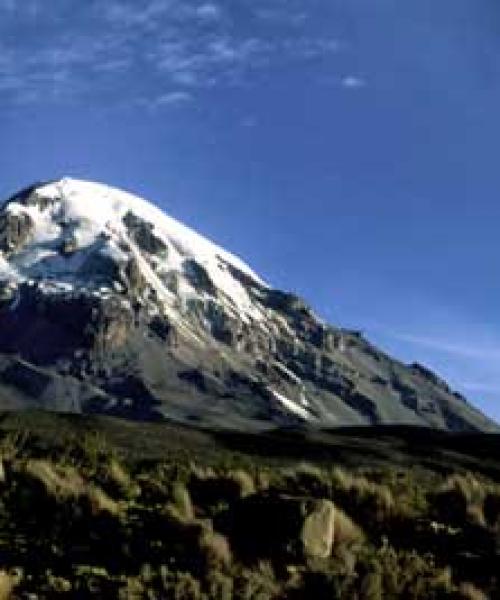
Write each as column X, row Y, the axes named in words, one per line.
column 317, row 534
column 283, row 527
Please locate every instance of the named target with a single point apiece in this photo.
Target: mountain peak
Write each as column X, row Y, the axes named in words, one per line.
column 64, row 231
column 109, row 305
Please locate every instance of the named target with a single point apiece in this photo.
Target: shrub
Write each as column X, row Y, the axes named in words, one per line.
column 405, row 574
column 243, row 481
column 96, row 449
column 210, row 491
column 181, row 586
column 257, row 584
column 371, row 502
column 371, row 586
column 99, row 502
column 219, row 586
column 14, row 444
column 460, row 500
column 116, row 480
column 307, row 480
column 41, row 479
column 132, row 589
column 58, row 585
column 54, row 481
column 181, row 506
column 94, row 582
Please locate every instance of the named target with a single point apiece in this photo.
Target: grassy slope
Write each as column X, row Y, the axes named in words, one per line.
column 99, row 507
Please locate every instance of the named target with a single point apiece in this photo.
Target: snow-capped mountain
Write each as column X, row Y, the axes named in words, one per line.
column 109, row 305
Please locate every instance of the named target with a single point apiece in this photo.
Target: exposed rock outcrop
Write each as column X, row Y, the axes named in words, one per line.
column 15, row 230
column 142, row 233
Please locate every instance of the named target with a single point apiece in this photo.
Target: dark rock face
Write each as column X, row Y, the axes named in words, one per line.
column 133, row 279
column 213, row 367
column 142, row 234
column 225, row 329
column 287, row 303
column 23, row 196
column 199, row 278
column 135, row 400
column 109, row 325
column 161, row 327
column 46, row 328
column 14, row 231
column 100, row 268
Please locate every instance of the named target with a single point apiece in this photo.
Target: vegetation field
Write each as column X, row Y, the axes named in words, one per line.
column 103, row 508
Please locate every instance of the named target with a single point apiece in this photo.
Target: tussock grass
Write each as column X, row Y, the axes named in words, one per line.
column 463, row 499
column 369, row 501
column 86, row 521
column 468, row 591
column 181, row 506
column 58, row 482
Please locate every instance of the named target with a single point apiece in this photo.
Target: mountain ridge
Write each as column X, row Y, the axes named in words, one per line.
column 109, row 305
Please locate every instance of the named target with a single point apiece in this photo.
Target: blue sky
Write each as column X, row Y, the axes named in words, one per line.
column 347, row 149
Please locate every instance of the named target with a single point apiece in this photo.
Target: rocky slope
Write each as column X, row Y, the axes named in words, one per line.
column 108, row 305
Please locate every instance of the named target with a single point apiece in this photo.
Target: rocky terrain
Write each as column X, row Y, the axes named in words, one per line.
column 107, row 305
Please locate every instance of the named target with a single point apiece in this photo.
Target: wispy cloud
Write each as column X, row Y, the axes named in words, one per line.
column 209, row 11
column 18, row 10
column 208, row 61
column 138, row 14
column 352, row 82
column 169, row 46
column 27, row 7
column 171, row 99
column 285, row 14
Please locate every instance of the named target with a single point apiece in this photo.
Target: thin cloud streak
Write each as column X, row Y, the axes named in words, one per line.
column 352, row 82
column 171, row 99
column 464, row 349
